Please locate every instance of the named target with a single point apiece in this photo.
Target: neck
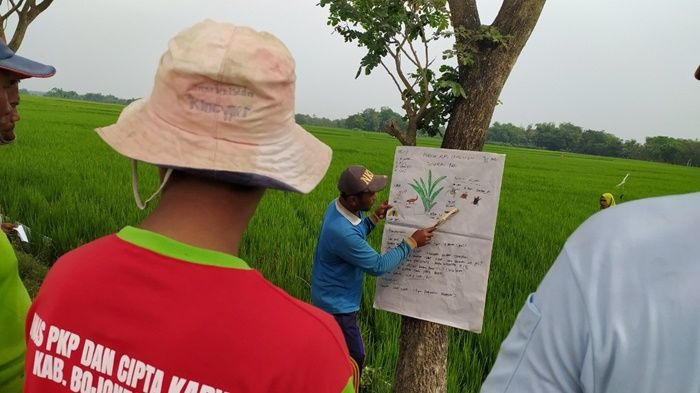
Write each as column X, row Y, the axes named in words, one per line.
column 204, row 214
column 345, row 204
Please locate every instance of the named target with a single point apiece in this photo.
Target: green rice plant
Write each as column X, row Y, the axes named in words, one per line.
column 426, row 191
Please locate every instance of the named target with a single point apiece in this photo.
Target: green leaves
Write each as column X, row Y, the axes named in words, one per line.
column 400, row 32
column 375, row 25
column 455, row 88
column 469, row 42
column 427, row 191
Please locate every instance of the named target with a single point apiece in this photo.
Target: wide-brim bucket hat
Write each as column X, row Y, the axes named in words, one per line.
column 223, row 105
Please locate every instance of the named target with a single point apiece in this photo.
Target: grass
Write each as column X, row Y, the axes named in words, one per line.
column 32, row 271
column 62, row 181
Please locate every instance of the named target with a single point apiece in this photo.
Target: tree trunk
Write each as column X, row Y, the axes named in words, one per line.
column 422, row 357
column 18, row 36
column 410, row 136
column 471, row 116
column 422, row 364
column 483, row 80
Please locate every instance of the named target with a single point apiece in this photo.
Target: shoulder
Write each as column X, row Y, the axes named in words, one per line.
column 309, row 324
column 651, row 218
column 85, row 262
column 335, row 224
column 314, row 340
column 627, row 239
column 99, row 248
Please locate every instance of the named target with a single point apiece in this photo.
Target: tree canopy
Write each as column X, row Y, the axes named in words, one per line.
column 568, row 137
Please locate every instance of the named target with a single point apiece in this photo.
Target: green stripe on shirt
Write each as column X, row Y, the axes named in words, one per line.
column 349, row 388
column 174, row 249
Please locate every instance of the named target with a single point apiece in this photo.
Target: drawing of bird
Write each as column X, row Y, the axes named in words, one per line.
column 412, row 200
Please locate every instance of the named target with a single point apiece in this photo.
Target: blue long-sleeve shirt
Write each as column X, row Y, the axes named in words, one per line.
column 343, row 255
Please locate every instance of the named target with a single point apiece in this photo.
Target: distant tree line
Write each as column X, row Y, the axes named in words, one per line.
column 368, row 120
column 565, row 137
column 568, row 137
column 94, row 97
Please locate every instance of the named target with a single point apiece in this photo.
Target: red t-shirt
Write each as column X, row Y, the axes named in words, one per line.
column 139, row 312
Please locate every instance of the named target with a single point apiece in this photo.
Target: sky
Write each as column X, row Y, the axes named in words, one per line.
column 623, row 66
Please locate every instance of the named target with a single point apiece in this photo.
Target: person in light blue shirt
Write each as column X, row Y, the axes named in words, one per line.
column 343, row 254
column 618, row 311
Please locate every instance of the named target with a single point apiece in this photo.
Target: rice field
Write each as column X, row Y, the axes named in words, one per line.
column 64, row 183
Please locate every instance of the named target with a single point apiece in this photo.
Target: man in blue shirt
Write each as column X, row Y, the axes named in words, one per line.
column 343, row 254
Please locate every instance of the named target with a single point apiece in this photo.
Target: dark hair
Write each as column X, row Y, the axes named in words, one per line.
column 243, row 181
column 180, row 174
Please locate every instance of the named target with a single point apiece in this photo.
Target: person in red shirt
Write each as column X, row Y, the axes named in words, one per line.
column 167, row 306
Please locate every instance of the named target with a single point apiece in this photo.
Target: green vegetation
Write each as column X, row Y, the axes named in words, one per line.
column 572, row 138
column 426, row 190
column 62, row 181
column 93, row 97
column 32, row 272
column 564, row 137
column 368, row 120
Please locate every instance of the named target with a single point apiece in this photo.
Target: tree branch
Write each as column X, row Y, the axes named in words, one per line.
column 14, row 7
column 425, row 86
column 392, row 76
column 514, row 13
column 400, row 46
column 44, row 5
column 424, row 106
column 408, row 92
column 25, row 16
column 464, row 13
column 427, row 58
column 394, row 131
column 415, row 59
column 38, row 9
column 399, row 71
column 408, row 55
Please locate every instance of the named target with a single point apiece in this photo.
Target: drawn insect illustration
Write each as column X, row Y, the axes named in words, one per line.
column 476, row 200
column 464, row 195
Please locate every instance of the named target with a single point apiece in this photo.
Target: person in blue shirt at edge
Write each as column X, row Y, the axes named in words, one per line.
column 617, row 311
column 343, row 254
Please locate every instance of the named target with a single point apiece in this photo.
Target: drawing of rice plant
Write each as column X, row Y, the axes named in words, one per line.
column 428, row 191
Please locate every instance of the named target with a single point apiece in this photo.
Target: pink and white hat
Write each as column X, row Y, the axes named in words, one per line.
column 223, row 105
